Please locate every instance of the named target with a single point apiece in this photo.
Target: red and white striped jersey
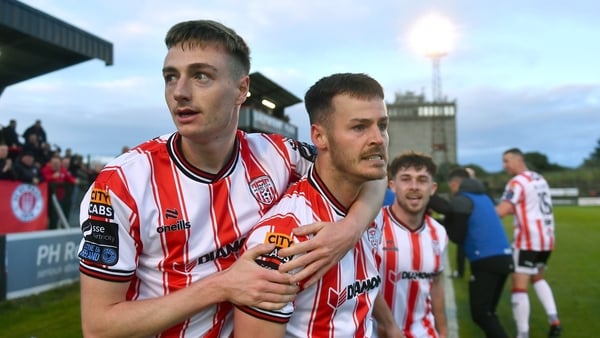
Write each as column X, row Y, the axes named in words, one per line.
column 529, row 193
column 341, row 303
column 409, row 261
column 153, row 220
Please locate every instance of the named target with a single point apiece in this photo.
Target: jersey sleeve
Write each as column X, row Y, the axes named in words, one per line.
column 108, row 250
column 512, row 192
column 302, row 156
column 276, row 230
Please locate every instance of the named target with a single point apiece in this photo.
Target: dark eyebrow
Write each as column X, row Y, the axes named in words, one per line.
column 363, row 120
column 193, row 67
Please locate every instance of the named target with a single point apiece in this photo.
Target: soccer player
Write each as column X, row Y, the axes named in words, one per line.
column 412, row 250
column 349, row 129
column 164, row 222
column 527, row 196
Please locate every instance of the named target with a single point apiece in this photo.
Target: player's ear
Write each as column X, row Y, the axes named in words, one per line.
column 318, row 136
column 434, row 187
column 244, row 88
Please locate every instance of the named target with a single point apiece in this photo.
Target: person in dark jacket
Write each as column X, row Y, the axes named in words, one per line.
column 472, row 222
column 37, row 130
column 11, row 139
column 7, row 171
column 26, row 170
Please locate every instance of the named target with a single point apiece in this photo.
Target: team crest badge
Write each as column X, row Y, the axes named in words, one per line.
column 263, row 190
column 374, row 236
column 437, row 248
column 27, row 202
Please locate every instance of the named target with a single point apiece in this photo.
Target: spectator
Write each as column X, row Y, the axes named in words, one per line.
column 81, row 172
column 26, row 169
column 37, row 130
column 11, row 138
column 94, row 170
column 33, row 146
column 6, row 165
column 68, row 152
column 60, row 184
column 46, row 153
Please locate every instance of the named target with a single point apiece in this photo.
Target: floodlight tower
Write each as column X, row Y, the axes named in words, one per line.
column 436, row 84
column 433, row 36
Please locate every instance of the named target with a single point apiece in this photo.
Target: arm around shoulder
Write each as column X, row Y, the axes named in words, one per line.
column 333, row 240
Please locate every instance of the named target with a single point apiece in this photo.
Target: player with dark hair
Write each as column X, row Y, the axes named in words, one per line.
column 163, row 223
column 412, row 250
column 349, row 128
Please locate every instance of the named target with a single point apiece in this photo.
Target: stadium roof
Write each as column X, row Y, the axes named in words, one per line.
column 263, row 88
column 33, row 43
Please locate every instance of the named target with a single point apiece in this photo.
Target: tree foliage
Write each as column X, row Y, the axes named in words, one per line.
column 539, row 162
column 593, row 161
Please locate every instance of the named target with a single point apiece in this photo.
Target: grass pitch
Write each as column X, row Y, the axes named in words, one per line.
column 572, row 273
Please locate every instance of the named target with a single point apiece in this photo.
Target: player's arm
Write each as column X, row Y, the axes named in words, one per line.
column 438, row 305
column 105, row 312
column 505, row 208
column 386, row 325
column 246, row 325
column 333, row 240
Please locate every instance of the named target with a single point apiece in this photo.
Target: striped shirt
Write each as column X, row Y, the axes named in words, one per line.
column 154, row 221
column 409, row 261
column 341, row 303
column 529, row 193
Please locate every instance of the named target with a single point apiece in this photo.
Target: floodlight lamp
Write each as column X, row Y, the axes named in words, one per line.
column 433, row 36
column 268, row 104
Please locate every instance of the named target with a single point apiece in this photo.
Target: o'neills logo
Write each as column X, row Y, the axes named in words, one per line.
column 27, row 202
column 263, row 190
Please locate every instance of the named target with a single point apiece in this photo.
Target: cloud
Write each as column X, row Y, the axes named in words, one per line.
column 530, row 118
column 522, row 75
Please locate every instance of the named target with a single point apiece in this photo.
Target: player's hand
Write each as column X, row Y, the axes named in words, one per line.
column 249, row 284
column 331, row 242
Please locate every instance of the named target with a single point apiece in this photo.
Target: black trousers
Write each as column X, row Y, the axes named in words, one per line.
column 488, row 276
column 460, row 260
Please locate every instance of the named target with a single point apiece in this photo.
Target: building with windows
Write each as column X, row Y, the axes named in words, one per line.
column 427, row 127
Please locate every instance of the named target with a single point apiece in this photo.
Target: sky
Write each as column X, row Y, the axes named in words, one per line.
column 523, row 73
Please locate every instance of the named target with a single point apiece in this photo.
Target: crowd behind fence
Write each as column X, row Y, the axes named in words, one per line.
column 30, row 157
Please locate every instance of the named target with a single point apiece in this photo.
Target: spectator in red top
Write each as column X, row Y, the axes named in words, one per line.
column 60, row 184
